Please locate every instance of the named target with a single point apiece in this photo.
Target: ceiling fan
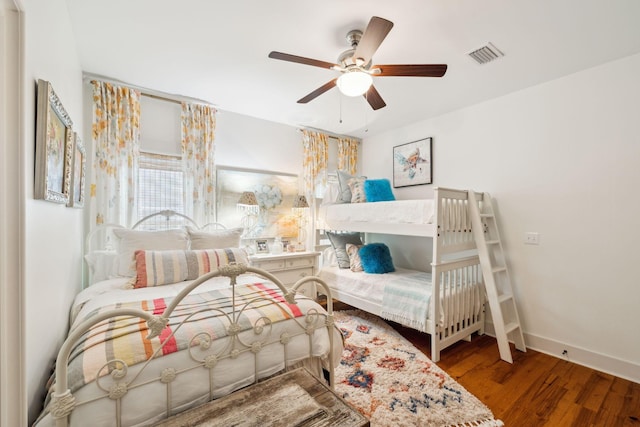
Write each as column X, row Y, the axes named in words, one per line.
column 355, row 65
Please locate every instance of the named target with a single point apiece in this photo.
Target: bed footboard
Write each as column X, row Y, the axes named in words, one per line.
column 459, row 288
column 208, row 356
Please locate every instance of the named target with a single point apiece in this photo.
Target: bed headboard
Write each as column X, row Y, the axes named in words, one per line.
column 100, row 244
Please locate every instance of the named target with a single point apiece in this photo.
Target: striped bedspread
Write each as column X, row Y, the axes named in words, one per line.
column 406, row 300
column 124, row 337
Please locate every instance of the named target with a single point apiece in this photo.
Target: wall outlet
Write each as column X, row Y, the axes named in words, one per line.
column 531, row 238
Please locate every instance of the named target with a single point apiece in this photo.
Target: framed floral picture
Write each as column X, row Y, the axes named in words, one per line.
column 78, row 171
column 412, row 163
column 54, row 145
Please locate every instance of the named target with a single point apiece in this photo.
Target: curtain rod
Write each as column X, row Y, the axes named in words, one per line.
column 330, row 134
column 161, row 98
column 149, row 93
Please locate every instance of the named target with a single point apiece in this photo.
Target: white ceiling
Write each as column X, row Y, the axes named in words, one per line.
column 217, row 51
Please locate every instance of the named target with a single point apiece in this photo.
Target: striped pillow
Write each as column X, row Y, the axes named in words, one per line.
column 156, row 268
column 203, row 261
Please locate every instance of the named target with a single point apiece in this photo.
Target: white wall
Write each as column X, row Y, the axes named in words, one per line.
column 53, row 240
column 240, row 141
column 560, row 159
column 251, row 143
column 159, row 126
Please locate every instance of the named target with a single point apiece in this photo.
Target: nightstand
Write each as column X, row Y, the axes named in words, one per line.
column 289, row 267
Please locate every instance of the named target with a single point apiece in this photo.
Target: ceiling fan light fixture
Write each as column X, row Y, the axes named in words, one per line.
column 354, row 82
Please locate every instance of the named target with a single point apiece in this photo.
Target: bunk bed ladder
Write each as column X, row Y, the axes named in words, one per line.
column 496, row 276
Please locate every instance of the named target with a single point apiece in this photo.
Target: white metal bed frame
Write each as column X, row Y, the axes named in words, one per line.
column 93, row 237
column 121, row 381
column 454, row 273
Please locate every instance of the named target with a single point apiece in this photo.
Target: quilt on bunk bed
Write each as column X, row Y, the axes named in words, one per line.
column 360, row 201
column 403, row 295
column 420, row 211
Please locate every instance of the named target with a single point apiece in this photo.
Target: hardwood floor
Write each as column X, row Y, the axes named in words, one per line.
column 538, row 389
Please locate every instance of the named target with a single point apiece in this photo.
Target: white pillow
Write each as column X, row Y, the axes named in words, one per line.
column 214, row 239
column 129, row 241
column 332, row 194
column 102, row 265
column 329, row 258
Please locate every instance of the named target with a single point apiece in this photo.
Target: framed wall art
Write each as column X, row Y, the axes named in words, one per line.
column 412, row 163
column 78, row 172
column 54, row 145
column 262, row 246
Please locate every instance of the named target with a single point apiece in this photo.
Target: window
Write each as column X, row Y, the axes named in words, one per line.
column 160, row 187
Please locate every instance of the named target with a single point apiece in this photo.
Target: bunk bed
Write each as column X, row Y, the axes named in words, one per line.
column 452, row 293
column 192, row 323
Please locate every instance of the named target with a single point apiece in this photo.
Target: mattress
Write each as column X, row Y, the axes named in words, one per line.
column 387, row 217
column 369, row 286
column 403, row 296
column 147, row 403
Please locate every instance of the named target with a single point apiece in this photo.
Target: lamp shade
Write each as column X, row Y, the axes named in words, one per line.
column 354, row 83
column 248, row 198
column 300, row 202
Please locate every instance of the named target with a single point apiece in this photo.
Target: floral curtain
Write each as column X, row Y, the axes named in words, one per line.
column 198, row 161
column 116, row 136
column 315, row 157
column 348, row 154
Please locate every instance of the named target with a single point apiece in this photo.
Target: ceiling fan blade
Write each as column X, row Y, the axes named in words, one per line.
column 322, row 89
column 372, row 38
column 374, row 99
column 415, row 70
column 301, row 60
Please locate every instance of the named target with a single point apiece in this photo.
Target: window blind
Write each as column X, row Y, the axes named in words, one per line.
column 160, row 187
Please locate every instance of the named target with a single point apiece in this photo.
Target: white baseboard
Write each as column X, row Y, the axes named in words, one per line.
column 581, row 356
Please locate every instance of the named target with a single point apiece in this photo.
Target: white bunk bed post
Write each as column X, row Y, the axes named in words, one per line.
column 456, row 302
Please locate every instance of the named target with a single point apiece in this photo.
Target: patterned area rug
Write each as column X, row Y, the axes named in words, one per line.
column 393, row 384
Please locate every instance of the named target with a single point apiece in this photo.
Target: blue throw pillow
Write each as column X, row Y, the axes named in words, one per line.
column 378, row 190
column 376, row 258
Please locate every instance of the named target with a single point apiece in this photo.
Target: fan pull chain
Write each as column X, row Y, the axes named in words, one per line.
column 340, row 108
column 366, row 116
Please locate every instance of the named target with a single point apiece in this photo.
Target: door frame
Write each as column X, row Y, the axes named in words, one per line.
column 13, row 399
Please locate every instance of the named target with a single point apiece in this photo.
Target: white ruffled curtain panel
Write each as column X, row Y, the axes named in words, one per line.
column 116, row 149
column 198, row 161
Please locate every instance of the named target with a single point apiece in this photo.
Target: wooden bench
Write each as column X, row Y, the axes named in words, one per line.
column 294, row 398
